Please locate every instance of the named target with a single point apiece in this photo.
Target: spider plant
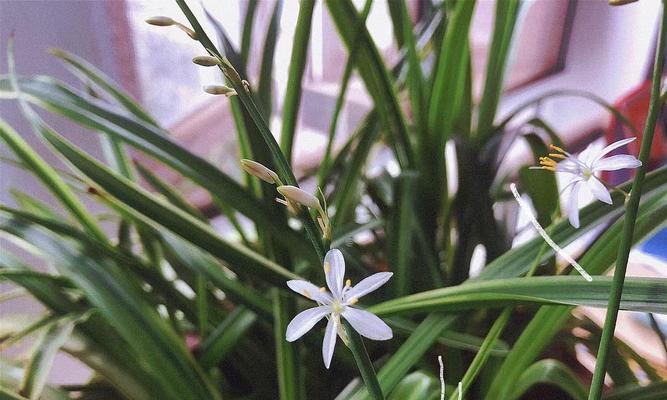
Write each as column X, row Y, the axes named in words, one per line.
column 161, row 305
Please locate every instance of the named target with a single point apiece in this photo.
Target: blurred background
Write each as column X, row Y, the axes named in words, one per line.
column 560, row 44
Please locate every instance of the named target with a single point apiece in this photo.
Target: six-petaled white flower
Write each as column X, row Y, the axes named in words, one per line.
column 583, row 170
column 337, row 303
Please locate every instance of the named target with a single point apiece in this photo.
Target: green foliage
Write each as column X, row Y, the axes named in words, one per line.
column 161, row 305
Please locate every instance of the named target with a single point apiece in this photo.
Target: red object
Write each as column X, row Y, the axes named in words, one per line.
column 634, row 106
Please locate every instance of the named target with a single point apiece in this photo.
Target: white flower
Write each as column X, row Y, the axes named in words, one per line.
column 584, row 168
column 337, row 303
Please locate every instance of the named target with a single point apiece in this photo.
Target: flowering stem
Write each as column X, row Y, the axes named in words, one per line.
column 363, row 362
column 630, row 216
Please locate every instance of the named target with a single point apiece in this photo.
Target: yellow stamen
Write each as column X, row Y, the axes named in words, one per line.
column 353, row 301
column 323, row 289
column 548, row 162
column 327, row 267
column 348, row 283
column 556, row 155
column 558, row 149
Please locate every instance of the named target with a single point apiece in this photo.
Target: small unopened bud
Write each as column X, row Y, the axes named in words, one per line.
column 206, row 61
column 166, row 21
column 260, row 171
column 220, row 89
column 299, row 196
column 160, row 21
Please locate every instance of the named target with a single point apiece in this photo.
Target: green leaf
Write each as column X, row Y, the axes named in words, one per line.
column 246, row 36
column 297, row 67
column 482, row 355
column 551, row 372
column 652, row 391
column 410, row 352
column 181, row 253
column 290, row 382
column 51, row 180
column 265, row 86
column 165, row 214
column 399, row 233
column 169, row 193
column 53, row 96
column 43, row 356
column 503, row 30
column 340, row 100
column 348, row 183
column 122, row 304
column 445, row 105
column 375, row 76
column 640, row 294
column 418, row 385
column 88, row 72
column 225, row 336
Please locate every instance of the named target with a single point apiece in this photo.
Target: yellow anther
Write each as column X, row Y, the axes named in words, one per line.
column 348, row 283
column 558, row 149
column 327, row 267
column 323, row 289
column 353, row 301
column 557, row 155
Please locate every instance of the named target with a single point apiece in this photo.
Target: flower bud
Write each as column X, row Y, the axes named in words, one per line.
column 160, row 21
column 220, row 89
column 206, row 61
column 260, row 171
column 300, row 196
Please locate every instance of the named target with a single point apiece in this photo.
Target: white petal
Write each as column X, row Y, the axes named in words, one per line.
column 367, row 324
column 569, row 185
column 588, row 155
column 368, row 285
column 573, row 205
column 614, row 163
column 570, row 166
column 334, row 269
column 329, row 343
column 599, row 191
column 304, row 321
column 310, row 291
column 614, row 146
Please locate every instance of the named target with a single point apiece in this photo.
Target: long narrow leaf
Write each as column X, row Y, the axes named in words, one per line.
column 295, row 76
column 640, row 294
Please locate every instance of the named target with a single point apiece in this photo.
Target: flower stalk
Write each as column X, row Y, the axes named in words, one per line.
column 364, row 363
column 632, row 205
